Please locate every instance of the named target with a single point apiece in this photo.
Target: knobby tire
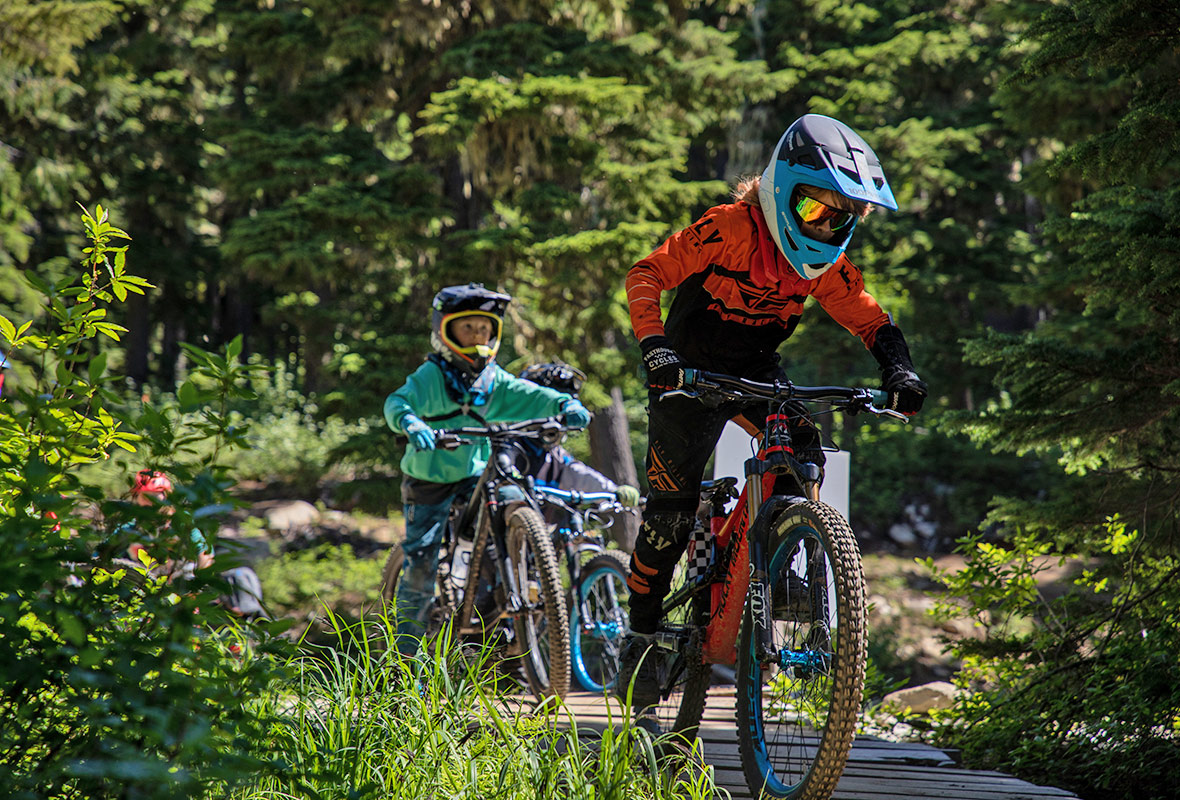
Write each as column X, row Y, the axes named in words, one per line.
column 827, row 699
column 546, row 665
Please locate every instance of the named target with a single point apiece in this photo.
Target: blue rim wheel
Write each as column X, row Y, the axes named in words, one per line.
column 798, row 705
column 595, row 641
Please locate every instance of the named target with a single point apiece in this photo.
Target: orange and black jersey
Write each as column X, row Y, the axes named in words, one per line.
column 737, row 298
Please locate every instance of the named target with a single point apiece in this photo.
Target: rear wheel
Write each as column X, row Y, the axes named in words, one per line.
column 596, row 639
column 541, row 625
column 390, row 574
column 798, row 705
column 684, row 677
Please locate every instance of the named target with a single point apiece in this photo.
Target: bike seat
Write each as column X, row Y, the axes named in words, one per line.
column 724, row 486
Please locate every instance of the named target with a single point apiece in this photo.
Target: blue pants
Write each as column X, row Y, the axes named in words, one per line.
column 415, row 588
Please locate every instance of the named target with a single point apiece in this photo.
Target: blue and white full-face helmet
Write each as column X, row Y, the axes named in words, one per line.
column 822, row 152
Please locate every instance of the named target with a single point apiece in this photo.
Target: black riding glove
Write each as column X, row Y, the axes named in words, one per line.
column 665, row 368
column 906, row 390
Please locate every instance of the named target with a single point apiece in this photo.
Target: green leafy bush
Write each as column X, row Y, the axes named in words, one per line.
column 1080, row 690
column 113, row 683
column 306, row 581
column 290, row 443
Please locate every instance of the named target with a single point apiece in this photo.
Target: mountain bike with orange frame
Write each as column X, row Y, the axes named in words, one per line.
column 775, row 586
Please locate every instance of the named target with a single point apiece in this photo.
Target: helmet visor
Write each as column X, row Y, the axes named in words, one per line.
column 465, row 340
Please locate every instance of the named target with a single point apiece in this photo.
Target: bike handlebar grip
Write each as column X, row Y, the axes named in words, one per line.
column 880, row 398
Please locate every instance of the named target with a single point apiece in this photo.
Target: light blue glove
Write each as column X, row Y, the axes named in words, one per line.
column 576, row 415
column 421, row 436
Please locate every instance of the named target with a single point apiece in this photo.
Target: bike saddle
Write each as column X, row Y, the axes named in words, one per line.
column 724, row 486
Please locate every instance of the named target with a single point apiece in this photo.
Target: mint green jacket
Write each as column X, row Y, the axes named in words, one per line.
column 424, row 395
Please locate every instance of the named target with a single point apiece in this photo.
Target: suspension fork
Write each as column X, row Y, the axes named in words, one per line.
column 574, row 533
column 759, row 591
column 505, row 575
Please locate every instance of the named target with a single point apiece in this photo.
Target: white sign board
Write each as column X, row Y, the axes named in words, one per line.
column 735, row 446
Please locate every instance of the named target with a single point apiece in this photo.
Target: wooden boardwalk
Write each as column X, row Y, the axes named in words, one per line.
column 876, row 768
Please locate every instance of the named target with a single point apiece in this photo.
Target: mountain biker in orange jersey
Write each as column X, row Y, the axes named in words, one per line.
column 742, row 273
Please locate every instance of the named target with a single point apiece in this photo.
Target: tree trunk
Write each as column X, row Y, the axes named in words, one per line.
column 136, row 341
column 610, row 454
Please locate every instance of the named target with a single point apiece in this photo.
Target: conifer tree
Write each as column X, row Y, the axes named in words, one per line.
column 1095, row 387
column 39, row 44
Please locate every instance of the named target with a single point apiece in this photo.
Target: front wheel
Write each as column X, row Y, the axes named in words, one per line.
column 597, row 636
column 433, row 618
column 540, row 624
column 798, row 704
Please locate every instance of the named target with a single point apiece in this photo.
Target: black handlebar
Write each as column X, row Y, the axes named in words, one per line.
column 700, row 382
column 540, row 428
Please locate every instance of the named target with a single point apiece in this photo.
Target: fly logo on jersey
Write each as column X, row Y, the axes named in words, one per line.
column 765, row 298
column 703, row 233
column 738, row 299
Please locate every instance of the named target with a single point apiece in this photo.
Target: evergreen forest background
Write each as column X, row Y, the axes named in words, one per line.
column 298, row 178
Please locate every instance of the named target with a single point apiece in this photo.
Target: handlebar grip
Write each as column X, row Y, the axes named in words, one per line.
column 880, row 398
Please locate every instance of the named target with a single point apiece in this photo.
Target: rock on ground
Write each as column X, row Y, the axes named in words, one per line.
column 924, row 698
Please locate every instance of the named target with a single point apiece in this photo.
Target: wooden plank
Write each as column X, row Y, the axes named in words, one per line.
column 864, row 788
column 896, row 757
column 908, row 777
column 878, row 769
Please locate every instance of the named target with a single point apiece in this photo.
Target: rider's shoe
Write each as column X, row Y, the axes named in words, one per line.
column 639, row 672
column 790, row 599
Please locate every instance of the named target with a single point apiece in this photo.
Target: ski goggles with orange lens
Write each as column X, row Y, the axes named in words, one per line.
column 813, row 212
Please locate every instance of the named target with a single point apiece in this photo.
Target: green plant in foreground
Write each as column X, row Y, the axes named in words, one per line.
column 1082, row 690
column 361, row 720
column 111, row 684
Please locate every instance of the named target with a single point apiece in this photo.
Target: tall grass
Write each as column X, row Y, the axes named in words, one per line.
column 360, row 720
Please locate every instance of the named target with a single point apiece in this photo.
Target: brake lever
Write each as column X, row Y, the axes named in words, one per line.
column 680, row 393
column 451, row 442
column 889, row 412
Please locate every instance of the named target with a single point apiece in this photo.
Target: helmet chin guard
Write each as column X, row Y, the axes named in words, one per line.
column 823, row 152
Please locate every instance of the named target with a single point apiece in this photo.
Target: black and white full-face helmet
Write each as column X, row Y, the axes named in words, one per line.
column 818, row 151
column 455, row 303
column 561, row 377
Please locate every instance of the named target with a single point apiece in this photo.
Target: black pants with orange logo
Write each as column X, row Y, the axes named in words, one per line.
column 681, row 435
